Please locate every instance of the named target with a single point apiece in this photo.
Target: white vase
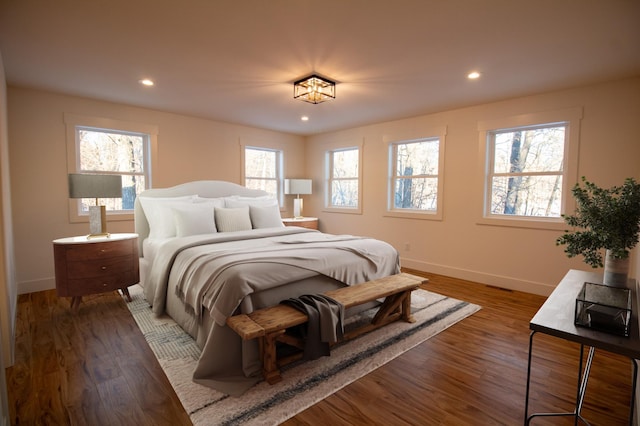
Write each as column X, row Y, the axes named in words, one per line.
column 616, row 271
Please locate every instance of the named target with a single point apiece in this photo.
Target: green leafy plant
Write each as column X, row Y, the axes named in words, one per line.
column 604, row 219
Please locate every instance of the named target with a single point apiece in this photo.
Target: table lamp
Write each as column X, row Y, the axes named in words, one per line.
column 298, row 187
column 84, row 185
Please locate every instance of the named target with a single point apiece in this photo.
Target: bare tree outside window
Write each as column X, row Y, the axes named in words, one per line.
column 343, row 179
column 415, row 174
column 111, row 152
column 262, row 169
column 527, row 171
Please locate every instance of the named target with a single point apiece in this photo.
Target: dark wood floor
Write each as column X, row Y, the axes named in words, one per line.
column 94, row 368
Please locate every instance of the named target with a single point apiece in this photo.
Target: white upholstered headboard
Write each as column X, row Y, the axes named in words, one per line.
column 203, row 188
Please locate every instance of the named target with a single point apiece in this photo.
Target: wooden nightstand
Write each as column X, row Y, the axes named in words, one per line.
column 304, row 222
column 90, row 266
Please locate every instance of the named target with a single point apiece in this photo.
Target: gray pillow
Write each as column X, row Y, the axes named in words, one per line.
column 232, row 219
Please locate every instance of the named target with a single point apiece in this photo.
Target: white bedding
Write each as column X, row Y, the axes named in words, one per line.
column 199, row 280
column 151, row 246
column 210, row 272
column 211, row 275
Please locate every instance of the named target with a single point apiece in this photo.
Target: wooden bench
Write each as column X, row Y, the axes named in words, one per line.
column 270, row 324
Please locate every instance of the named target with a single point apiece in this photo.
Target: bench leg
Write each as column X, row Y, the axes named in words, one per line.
column 269, row 361
column 406, row 308
column 389, row 311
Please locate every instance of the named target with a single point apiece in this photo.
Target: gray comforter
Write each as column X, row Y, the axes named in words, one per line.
column 215, row 274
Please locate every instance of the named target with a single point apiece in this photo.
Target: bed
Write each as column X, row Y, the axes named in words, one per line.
column 211, row 249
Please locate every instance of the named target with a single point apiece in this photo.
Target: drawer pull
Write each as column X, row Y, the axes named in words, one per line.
column 104, row 284
column 104, row 268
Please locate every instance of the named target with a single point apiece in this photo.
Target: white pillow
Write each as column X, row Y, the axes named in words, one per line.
column 236, row 201
column 265, row 216
column 159, row 213
column 194, row 219
column 233, row 219
column 217, row 202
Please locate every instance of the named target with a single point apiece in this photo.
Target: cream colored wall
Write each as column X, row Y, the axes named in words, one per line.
column 188, row 149
column 8, row 290
column 515, row 258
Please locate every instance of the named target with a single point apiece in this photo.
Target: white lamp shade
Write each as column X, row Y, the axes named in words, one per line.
column 297, row 186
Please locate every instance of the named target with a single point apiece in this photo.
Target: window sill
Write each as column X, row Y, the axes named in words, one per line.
column 419, row 215
column 524, row 222
column 111, row 217
column 342, row 210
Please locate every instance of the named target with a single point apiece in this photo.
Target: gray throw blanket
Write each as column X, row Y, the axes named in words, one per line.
column 325, row 324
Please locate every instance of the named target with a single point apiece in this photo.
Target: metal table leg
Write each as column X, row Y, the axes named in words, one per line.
column 633, row 390
column 583, row 378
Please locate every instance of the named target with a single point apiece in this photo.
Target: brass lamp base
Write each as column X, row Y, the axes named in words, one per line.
column 101, row 235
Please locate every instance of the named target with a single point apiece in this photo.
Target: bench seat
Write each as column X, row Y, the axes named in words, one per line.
column 270, row 324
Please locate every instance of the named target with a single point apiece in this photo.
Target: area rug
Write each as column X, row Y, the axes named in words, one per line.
column 303, row 384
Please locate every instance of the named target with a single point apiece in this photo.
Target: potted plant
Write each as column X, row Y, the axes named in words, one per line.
column 606, row 219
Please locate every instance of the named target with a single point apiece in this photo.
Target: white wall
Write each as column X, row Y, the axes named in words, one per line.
column 191, row 148
column 515, row 258
column 8, row 290
column 188, row 149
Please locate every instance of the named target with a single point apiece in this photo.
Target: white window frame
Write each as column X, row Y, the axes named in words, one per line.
column 74, row 122
column 279, row 168
column 329, row 179
column 428, row 135
column 570, row 117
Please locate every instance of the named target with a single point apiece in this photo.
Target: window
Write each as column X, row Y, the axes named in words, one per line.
column 530, row 167
column 415, row 188
column 263, row 170
column 103, row 151
column 107, row 146
column 525, row 177
column 415, row 168
column 343, row 178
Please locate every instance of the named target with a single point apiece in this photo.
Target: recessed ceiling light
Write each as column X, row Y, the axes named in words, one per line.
column 473, row 75
column 304, row 118
column 147, row 82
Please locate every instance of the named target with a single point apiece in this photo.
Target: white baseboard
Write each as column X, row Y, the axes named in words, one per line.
column 510, row 283
column 36, row 285
column 464, row 274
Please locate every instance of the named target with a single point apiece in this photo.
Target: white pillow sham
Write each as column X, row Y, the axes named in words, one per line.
column 265, row 216
column 194, row 219
column 159, row 213
column 233, row 219
column 217, row 202
column 237, row 201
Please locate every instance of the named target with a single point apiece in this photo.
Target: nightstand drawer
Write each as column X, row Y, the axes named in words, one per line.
column 82, row 252
column 82, row 287
column 100, row 267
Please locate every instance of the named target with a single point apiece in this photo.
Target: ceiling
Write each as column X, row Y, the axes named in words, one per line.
column 235, row 60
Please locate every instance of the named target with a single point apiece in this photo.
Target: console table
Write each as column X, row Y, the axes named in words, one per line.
column 556, row 318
